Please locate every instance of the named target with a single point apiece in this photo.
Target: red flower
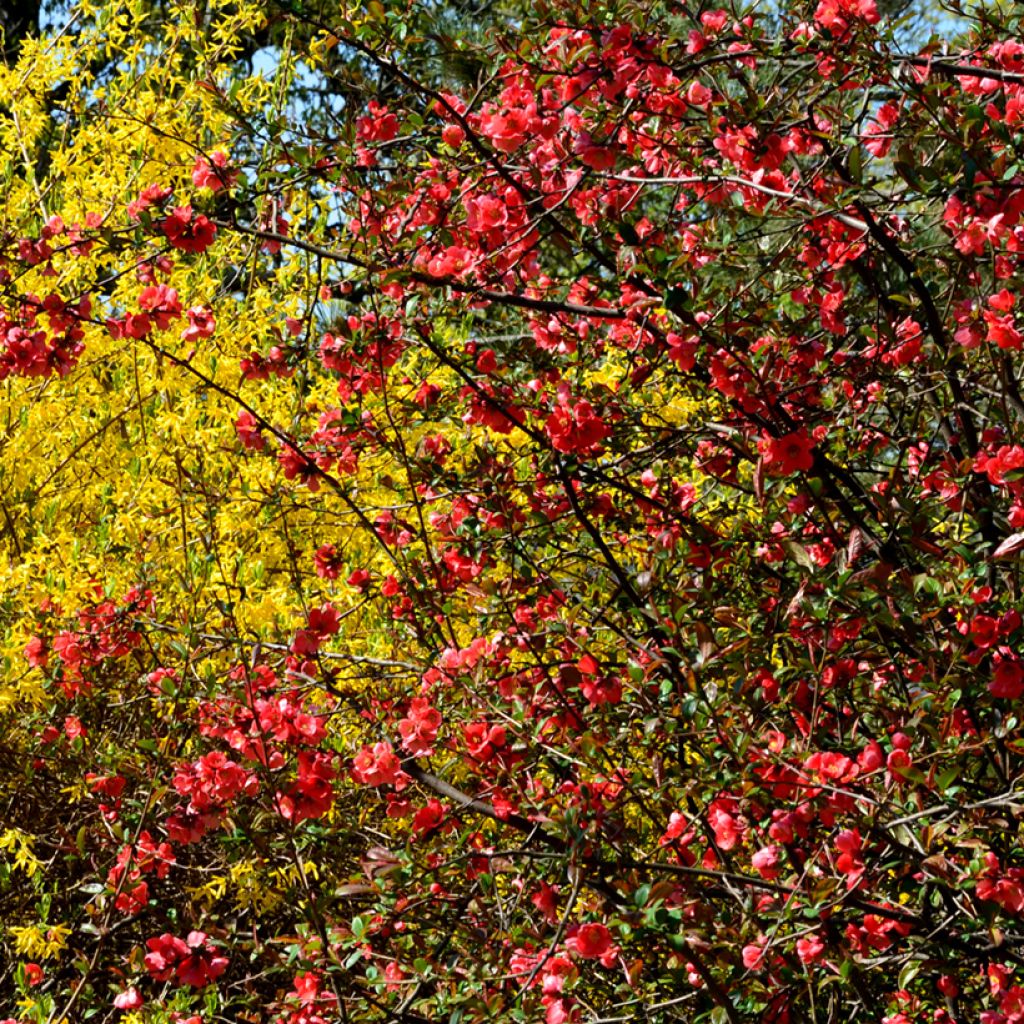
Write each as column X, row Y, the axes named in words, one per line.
column 486, row 361
column 509, row 129
column 297, row 464
column 213, row 781
column 595, row 155
column 186, row 233
column 871, row 757
column 593, row 941
column 327, row 562
column 360, row 579
column 107, row 785
column 248, row 429
column 428, row 818
column 485, row 213
column 766, row 862
column 201, row 965
column 129, row 999
column 325, row 620
column 214, row 173
column 1003, row 330
column 601, row 690
column 753, row 957
column 193, row 961
column 725, row 827
column 378, row 766
column 836, row 15
column 791, row 453
column 879, row 132
column 453, row 261
column 380, row 125
column 1006, row 889
column 898, row 762
column 201, row 324
column 850, row 846
column 35, row 652
column 164, row 953
column 1007, row 678
column 809, row 949
column 131, row 901
column 161, row 303
column 453, row 135
column 575, row 427
column 312, row 795
column 151, row 195
column 419, row 727
column 545, row 899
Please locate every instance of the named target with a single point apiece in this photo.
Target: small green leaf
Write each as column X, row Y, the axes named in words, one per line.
column 854, row 162
column 908, row 973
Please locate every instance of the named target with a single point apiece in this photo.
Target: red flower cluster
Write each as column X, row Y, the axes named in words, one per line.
column 187, row 231
column 192, row 961
column 575, row 427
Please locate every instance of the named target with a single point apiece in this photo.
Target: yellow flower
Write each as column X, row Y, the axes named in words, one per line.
column 36, row 943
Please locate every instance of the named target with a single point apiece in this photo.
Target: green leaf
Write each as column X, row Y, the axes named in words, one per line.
column 855, row 165
column 908, row 973
column 800, row 555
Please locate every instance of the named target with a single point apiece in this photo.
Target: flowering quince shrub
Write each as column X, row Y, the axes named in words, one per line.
column 537, row 547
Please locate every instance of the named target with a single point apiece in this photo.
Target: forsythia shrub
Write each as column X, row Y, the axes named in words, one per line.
column 516, row 526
